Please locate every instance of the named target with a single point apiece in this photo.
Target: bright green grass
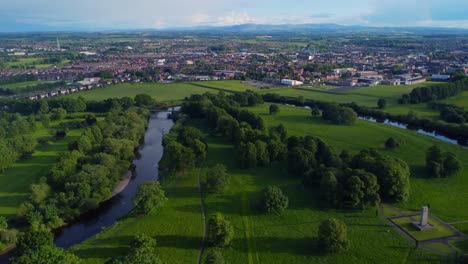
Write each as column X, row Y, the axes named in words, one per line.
column 388, row 211
column 161, row 92
column 30, row 61
column 461, row 100
column 439, row 231
column 291, row 237
column 19, row 84
column 177, row 226
column 462, row 245
column 440, row 247
column 15, row 182
column 446, row 196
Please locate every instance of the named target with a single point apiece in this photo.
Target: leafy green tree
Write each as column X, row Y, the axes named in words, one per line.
column 177, row 157
column 359, row 189
column 216, row 179
column 434, row 160
column 316, row 112
column 24, row 145
column 144, row 100
column 247, row 155
column 43, row 107
column 277, row 149
column 274, row 109
column 8, row 157
column 263, row 156
column 391, row 143
column 143, row 251
column 452, row 166
column 45, row 120
column 31, row 240
column 381, row 103
column 329, row 187
column 47, row 254
column 300, row 161
column 215, row 257
column 39, row 192
column 220, row 231
column 150, row 195
column 273, row 200
column 333, row 236
column 3, row 223
column 58, row 113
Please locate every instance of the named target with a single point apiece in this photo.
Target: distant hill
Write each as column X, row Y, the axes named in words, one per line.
column 316, row 28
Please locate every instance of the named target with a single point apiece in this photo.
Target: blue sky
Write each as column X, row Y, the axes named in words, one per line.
column 39, row 15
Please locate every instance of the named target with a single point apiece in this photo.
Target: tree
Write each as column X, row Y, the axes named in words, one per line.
column 177, row 157
column 381, row 103
column 32, row 240
column 45, row 120
column 333, row 236
column 39, row 192
column 215, row 257
column 3, row 223
column 452, row 166
column 273, row 200
column 359, row 188
column 47, row 254
column 216, row 179
column 142, row 251
column 8, row 157
column 263, row 156
column 58, row 114
column 43, row 107
column 144, row 100
column 391, row 143
column 274, row 109
column 300, row 161
column 329, row 187
column 247, row 155
column 220, row 231
column 434, row 160
column 316, row 112
column 150, row 195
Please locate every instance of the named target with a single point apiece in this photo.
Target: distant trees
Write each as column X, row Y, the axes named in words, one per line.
column 58, row 113
column 435, row 92
column 440, row 164
column 333, row 236
column 316, row 112
column 144, row 100
column 220, row 231
column 150, row 195
column 391, row 143
column 274, row 109
column 216, row 179
column 339, row 115
column 381, row 103
column 273, row 200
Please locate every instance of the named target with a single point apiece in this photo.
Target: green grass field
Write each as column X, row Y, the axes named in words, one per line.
column 15, row 182
column 34, row 62
column 177, row 226
column 19, row 85
column 461, row 100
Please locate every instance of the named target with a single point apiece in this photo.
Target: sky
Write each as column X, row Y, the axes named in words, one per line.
column 50, row 15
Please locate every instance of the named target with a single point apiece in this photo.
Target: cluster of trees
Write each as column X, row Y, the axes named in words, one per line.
column 16, row 140
column 43, row 106
column 451, row 113
column 37, row 246
column 439, row 164
column 434, row 92
column 85, row 176
column 184, row 147
column 42, row 87
column 150, row 195
column 7, row 236
column 339, row 115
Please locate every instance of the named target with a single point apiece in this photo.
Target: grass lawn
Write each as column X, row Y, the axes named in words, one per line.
column 440, row 247
column 439, row 231
column 438, row 192
column 460, row 100
column 19, row 85
column 177, row 227
column 15, row 182
column 462, row 245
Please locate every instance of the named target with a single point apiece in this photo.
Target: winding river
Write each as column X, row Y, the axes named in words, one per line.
column 110, row 211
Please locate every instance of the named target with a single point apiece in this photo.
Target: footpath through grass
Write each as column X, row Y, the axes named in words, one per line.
column 177, row 227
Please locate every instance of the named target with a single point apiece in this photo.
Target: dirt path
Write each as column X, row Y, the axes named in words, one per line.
column 203, row 211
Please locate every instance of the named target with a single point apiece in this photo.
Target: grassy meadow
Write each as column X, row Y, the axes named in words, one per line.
column 19, row 85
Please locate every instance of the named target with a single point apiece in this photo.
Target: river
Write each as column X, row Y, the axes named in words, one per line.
column 110, row 211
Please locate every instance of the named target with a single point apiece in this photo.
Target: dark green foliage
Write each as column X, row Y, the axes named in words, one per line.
column 359, row 189
column 329, row 187
column 31, row 240
column 216, row 179
column 58, row 113
column 215, row 257
column 391, row 143
column 220, row 231
column 150, row 195
column 333, row 236
column 440, row 164
column 247, row 155
column 435, row 92
column 316, row 112
column 144, row 100
column 339, row 115
column 381, row 103
column 142, row 251
column 300, row 161
column 392, row 174
column 47, row 254
column 273, row 200
column 274, row 109
column 177, row 157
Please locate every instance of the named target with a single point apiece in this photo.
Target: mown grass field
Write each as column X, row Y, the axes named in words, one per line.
column 446, row 196
column 19, row 84
column 177, row 226
column 15, row 182
column 439, row 231
column 461, row 100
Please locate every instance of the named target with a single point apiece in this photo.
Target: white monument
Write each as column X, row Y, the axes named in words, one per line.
column 423, row 223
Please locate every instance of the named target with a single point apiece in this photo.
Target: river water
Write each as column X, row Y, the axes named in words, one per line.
column 110, row 211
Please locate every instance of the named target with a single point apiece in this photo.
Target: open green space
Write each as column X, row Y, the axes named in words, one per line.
column 177, row 227
column 31, row 62
column 15, row 182
column 19, row 85
column 439, row 193
column 463, row 244
column 440, row 247
column 461, row 100
column 439, row 231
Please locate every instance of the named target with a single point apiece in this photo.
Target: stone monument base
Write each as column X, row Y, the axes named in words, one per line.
column 424, row 227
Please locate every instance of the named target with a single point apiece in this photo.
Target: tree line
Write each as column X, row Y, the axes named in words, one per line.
column 50, row 86
column 435, row 92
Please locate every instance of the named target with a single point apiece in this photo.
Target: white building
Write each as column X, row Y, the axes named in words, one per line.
column 291, row 82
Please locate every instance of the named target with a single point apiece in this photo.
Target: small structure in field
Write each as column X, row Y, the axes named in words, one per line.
column 423, row 223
